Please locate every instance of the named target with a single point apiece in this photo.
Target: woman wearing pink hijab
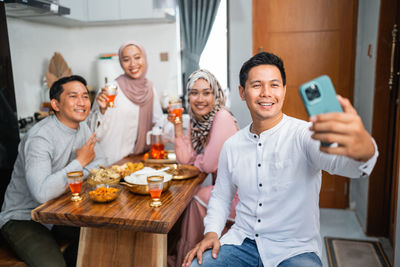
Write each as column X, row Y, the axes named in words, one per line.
column 121, row 130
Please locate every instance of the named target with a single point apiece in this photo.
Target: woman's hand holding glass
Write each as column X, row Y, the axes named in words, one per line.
column 175, row 111
column 103, row 99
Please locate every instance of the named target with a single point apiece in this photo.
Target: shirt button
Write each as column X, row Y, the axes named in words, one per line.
column 256, row 235
column 260, row 185
column 258, row 220
column 259, row 144
column 260, row 204
column 259, row 165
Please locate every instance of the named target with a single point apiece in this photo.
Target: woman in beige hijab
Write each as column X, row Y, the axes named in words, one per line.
column 122, row 130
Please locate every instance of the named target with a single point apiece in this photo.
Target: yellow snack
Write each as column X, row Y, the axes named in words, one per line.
column 132, row 167
column 104, row 194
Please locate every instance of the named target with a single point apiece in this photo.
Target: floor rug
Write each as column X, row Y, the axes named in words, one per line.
column 355, row 253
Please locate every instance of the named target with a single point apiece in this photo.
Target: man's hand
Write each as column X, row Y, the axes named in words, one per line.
column 210, row 240
column 86, row 154
column 102, row 100
column 346, row 129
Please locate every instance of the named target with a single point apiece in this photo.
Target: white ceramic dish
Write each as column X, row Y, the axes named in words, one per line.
column 140, row 177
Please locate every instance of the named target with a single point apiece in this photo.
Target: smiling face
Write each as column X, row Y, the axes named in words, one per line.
column 74, row 104
column 201, row 98
column 133, row 62
column 264, row 94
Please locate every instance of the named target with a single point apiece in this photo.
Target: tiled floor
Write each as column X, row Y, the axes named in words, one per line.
column 344, row 223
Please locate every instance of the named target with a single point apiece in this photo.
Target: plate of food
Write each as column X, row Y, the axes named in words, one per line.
column 137, row 181
column 178, row 171
column 113, row 174
column 127, row 168
column 103, row 176
column 170, row 157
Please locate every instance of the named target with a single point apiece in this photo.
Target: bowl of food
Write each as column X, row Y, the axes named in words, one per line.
column 106, row 176
column 104, row 193
column 137, row 183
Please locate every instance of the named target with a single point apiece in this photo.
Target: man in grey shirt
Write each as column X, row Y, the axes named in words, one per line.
column 59, row 144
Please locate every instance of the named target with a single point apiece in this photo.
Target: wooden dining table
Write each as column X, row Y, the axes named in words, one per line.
column 125, row 232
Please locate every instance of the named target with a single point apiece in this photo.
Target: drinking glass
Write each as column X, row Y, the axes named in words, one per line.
column 75, row 184
column 175, row 111
column 155, row 184
column 111, row 90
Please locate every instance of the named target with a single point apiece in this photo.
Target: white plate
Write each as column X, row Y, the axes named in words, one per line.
column 141, row 178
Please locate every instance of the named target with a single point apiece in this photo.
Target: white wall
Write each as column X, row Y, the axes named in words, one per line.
column 364, row 88
column 32, row 45
column 240, row 50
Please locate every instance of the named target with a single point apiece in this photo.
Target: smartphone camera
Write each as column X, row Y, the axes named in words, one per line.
column 312, row 92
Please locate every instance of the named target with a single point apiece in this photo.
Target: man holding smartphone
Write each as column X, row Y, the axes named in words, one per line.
column 275, row 165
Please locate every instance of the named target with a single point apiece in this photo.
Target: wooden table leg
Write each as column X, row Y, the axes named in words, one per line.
column 114, row 247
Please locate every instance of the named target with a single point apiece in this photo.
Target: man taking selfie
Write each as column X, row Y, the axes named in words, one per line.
column 275, row 165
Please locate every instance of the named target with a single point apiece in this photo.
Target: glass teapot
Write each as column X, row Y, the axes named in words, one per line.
column 154, row 138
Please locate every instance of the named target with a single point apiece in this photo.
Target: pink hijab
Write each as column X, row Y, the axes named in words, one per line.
column 140, row 92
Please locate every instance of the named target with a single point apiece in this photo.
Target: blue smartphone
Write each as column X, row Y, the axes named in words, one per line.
column 319, row 96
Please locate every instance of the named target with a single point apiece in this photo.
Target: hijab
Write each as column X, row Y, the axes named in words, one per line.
column 140, row 92
column 200, row 126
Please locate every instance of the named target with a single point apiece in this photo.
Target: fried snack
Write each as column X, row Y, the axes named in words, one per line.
column 104, row 194
column 119, row 169
column 131, row 167
column 103, row 176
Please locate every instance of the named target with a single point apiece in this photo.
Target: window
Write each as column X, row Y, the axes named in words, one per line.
column 215, row 55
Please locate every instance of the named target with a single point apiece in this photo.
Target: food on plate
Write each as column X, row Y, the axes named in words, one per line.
column 113, row 174
column 103, row 176
column 132, row 167
column 104, row 193
column 127, row 168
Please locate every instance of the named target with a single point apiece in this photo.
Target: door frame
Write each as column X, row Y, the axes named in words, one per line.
column 382, row 195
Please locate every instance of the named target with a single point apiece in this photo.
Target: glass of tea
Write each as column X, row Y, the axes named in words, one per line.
column 155, row 184
column 111, row 90
column 157, row 151
column 154, row 137
column 175, row 111
column 75, row 184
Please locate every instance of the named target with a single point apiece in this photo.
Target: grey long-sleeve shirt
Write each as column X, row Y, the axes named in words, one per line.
column 45, row 155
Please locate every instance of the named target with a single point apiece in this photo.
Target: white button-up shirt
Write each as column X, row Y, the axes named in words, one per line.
column 278, row 178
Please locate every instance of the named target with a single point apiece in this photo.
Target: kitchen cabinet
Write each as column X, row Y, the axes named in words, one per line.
column 136, row 9
column 103, row 10
column 97, row 12
column 78, row 9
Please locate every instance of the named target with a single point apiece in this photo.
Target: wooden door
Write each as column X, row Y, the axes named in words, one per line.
column 312, row 37
column 383, row 182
